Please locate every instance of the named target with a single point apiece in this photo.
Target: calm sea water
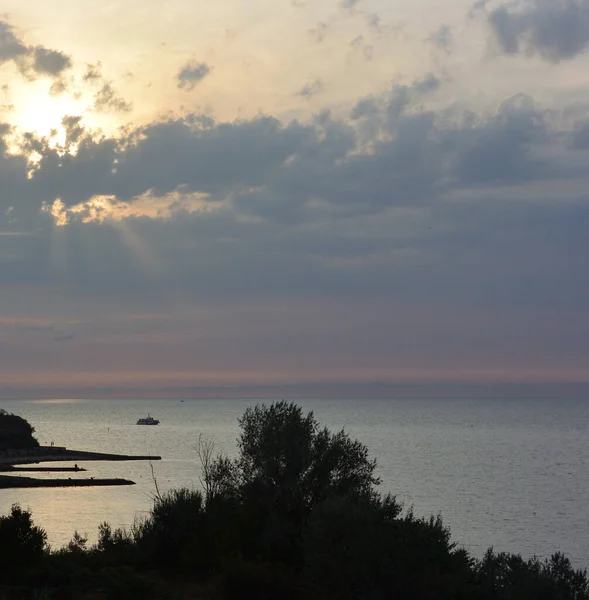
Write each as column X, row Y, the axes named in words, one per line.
column 507, row 473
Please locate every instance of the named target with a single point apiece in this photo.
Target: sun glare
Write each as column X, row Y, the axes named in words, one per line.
column 40, row 113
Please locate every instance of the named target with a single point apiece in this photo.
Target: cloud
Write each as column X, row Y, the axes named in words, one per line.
column 106, row 99
column 556, row 30
column 50, row 62
column 401, row 97
column 442, row 38
column 10, row 46
column 362, row 48
column 73, row 129
column 191, row 74
column 93, row 72
column 349, row 3
column 258, row 200
column 321, row 241
column 580, row 139
column 318, row 33
column 394, row 152
column 311, row 89
column 58, row 87
column 31, row 61
column 374, row 22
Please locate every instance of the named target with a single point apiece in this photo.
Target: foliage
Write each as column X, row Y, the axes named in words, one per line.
column 22, row 543
column 78, row 543
column 15, row 432
column 510, row 577
column 170, row 534
column 287, row 465
column 240, row 579
column 295, row 515
column 115, row 546
column 286, row 456
column 364, row 548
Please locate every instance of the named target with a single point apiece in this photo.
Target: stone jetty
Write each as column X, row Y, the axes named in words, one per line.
column 10, row 458
column 8, row 481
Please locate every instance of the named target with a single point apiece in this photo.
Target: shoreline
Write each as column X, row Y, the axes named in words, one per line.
column 10, row 482
column 40, row 454
column 9, row 459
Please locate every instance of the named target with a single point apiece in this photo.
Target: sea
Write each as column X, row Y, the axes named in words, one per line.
column 511, row 474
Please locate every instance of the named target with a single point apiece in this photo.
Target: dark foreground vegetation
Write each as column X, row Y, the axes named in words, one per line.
column 295, row 516
column 15, row 432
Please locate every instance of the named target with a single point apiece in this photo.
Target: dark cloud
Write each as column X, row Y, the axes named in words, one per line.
column 401, row 97
column 349, row 3
column 554, row 29
column 10, row 46
column 311, row 89
column 73, row 129
column 580, row 139
column 32, row 61
column 50, row 62
column 192, row 73
column 412, row 233
column 395, row 152
column 399, row 201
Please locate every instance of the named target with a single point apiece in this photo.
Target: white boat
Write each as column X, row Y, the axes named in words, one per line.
column 149, row 420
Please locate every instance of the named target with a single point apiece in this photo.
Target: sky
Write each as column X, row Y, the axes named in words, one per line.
column 249, row 195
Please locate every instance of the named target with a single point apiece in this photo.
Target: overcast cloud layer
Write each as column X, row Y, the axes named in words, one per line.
column 409, row 206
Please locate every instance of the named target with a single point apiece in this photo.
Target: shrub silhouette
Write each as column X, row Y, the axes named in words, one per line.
column 22, row 544
column 286, row 457
column 173, row 534
column 296, row 515
column 509, row 577
column 15, row 432
column 287, row 465
column 364, row 548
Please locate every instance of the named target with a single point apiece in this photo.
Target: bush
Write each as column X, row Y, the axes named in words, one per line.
column 363, row 548
column 509, row 577
column 259, row 580
column 15, row 432
column 172, row 536
column 22, row 544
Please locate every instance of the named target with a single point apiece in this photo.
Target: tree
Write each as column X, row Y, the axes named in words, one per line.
column 287, row 465
column 15, row 432
column 506, row 576
column 284, row 454
column 21, row 542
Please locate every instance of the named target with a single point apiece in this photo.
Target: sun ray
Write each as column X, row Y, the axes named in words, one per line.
column 137, row 246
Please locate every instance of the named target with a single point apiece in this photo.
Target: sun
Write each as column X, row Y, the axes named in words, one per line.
column 36, row 111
